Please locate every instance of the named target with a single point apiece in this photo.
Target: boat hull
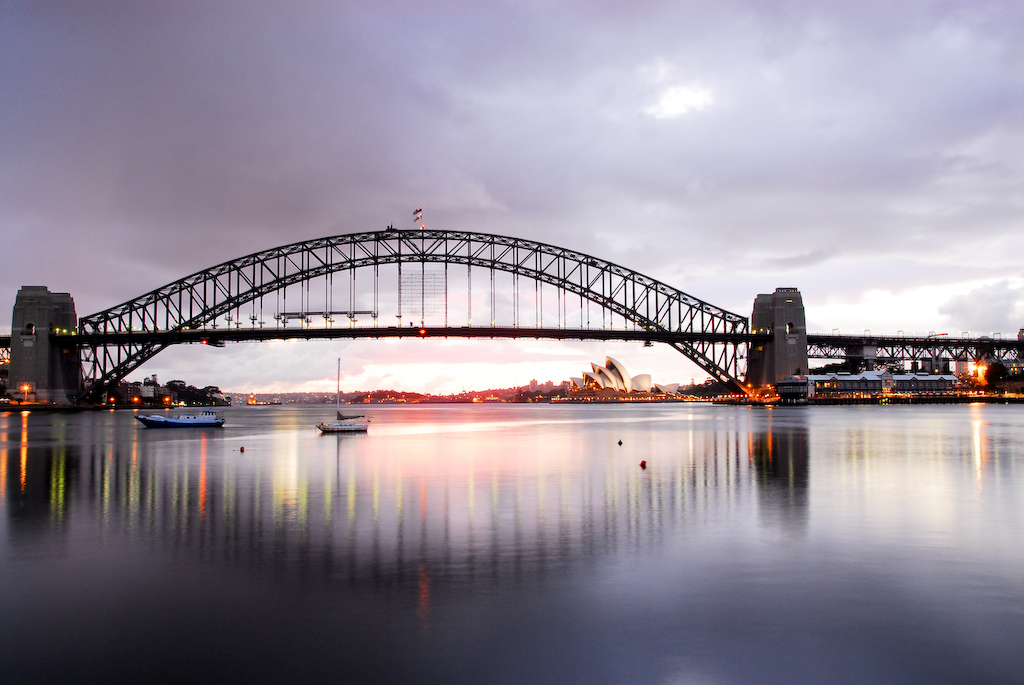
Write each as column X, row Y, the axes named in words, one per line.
column 342, row 427
column 157, row 421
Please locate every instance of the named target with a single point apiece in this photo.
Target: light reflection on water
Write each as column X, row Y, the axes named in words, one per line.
column 845, row 543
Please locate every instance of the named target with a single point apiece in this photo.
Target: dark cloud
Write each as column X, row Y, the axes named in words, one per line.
column 149, row 140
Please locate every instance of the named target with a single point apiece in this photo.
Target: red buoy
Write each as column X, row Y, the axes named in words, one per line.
column 241, row 449
column 643, row 464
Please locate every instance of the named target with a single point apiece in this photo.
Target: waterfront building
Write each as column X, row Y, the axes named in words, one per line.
column 130, row 393
column 867, row 383
column 1015, row 367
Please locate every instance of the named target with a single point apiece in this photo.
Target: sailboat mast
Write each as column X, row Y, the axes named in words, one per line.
column 337, row 398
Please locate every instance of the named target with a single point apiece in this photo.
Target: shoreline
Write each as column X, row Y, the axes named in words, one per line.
column 818, row 401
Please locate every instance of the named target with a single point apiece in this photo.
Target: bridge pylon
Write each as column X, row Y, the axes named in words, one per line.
column 44, row 369
column 780, row 315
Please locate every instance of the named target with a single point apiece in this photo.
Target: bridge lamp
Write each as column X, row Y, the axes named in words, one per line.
column 423, row 331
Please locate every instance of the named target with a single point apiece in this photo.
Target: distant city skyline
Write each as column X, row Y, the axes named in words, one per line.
column 869, row 154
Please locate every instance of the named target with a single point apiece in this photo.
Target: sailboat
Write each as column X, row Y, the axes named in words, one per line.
column 343, row 424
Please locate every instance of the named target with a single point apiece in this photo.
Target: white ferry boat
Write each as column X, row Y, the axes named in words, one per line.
column 207, row 418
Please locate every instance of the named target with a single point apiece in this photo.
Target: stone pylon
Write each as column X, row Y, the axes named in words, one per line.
column 781, row 315
column 43, row 370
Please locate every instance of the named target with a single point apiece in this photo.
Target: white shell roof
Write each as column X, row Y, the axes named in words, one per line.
column 616, row 368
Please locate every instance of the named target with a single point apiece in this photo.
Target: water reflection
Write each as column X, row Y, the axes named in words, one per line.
column 35, row 491
column 979, row 443
column 3, row 460
column 523, row 541
column 419, row 504
column 780, row 454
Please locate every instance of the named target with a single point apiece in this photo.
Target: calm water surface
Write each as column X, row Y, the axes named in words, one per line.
column 514, row 543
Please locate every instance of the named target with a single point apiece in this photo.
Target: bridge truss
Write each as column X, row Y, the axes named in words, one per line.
column 429, row 282
column 932, row 350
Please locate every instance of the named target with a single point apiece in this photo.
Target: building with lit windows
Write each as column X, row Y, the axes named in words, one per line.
column 864, row 384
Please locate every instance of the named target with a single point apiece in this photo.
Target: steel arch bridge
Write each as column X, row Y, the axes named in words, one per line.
column 315, row 281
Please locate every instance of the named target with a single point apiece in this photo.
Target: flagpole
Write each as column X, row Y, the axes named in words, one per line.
column 417, row 217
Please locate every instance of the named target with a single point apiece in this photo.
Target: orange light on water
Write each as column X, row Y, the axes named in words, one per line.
column 24, row 449
column 423, row 603
column 202, row 477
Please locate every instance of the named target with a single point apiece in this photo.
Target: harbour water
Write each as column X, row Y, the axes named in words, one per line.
column 516, row 543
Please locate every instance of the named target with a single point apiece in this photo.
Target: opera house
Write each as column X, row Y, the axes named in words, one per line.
column 613, row 376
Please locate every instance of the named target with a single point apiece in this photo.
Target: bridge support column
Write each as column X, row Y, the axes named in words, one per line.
column 780, row 314
column 41, row 370
column 862, row 358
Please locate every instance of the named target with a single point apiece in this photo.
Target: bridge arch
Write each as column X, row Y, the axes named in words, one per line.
column 118, row 340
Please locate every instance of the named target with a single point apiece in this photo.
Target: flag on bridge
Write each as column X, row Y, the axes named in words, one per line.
column 418, row 211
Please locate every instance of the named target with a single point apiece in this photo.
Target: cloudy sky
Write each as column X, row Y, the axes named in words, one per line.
column 869, row 153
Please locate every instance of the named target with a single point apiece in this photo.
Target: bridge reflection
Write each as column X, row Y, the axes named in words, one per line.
column 780, row 455
column 410, row 507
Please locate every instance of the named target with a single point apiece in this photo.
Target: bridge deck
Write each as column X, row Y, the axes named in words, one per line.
column 219, row 336
column 916, row 340
column 311, row 332
column 912, row 347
